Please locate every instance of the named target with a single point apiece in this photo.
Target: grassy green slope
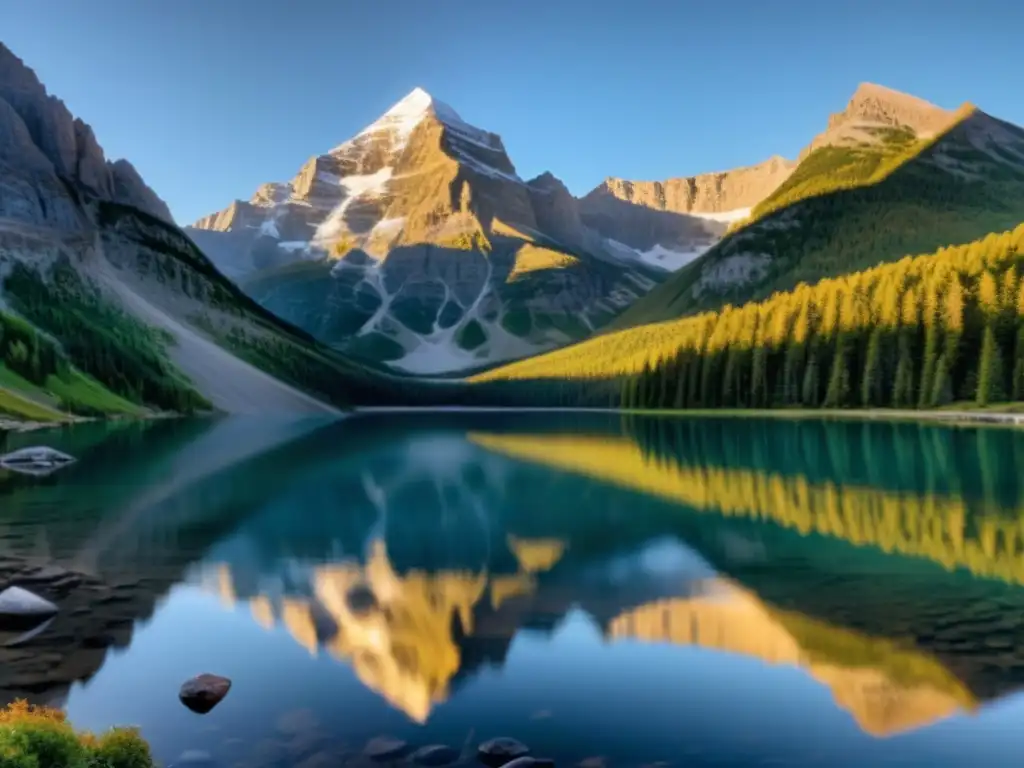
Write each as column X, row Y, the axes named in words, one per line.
column 39, row 382
column 848, row 208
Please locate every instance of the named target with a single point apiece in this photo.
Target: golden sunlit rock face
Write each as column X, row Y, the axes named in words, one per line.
column 401, row 646
column 399, row 631
column 920, row 525
column 887, row 692
column 535, row 555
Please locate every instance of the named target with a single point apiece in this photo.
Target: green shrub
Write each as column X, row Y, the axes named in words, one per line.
column 41, row 737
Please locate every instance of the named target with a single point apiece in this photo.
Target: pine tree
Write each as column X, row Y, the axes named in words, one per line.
column 839, row 380
column 990, row 370
column 809, row 391
column 871, row 383
column 931, row 344
column 903, row 384
column 942, row 390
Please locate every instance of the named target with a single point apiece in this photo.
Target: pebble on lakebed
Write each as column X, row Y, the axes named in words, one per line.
column 203, row 692
column 500, row 751
column 530, row 762
column 384, row 748
column 435, row 755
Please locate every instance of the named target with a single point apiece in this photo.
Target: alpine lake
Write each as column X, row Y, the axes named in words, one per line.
column 610, row 589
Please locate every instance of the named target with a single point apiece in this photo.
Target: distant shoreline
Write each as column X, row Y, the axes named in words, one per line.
column 950, row 417
column 973, row 417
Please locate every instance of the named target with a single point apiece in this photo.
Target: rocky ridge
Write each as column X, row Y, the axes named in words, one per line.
column 416, row 242
column 672, row 222
column 875, row 106
column 81, row 229
column 38, row 132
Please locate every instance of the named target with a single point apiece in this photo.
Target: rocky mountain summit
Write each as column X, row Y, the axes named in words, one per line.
column 39, row 134
column 873, row 107
column 718, row 196
column 672, row 222
column 416, row 242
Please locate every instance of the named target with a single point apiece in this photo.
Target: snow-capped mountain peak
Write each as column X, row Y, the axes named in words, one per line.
column 427, row 249
column 402, row 118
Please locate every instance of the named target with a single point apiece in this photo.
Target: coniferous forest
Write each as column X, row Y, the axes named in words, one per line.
column 922, row 332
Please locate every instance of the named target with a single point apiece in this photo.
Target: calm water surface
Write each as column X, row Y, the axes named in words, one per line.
column 618, row 590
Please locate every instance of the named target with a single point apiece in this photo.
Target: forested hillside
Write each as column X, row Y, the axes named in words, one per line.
column 921, row 332
column 847, row 208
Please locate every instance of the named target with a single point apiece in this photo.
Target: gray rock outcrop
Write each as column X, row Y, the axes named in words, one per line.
column 35, row 126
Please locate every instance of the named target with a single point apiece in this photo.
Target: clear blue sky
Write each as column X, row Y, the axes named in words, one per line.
column 210, row 98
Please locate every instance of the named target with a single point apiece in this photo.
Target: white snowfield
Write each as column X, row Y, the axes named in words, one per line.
column 737, row 214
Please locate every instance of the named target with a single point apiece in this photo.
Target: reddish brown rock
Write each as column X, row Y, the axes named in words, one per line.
column 204, row 692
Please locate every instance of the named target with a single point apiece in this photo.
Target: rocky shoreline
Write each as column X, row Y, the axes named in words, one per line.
column 93, row 616
column 14, row 425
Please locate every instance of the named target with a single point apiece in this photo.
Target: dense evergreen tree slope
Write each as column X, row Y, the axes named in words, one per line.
column 920, row 332
column 852, row 204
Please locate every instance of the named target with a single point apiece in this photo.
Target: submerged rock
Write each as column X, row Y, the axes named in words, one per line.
column 361, row 600
column 203, row 692
column 499, row 751
column 384, row 748
column 435, row 755
column 24, row 636
column 531, row 762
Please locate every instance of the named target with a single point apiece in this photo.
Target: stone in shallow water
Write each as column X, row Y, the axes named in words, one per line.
column 384, row 748
column 20, row 638
column 434, row 755
column 19, row 603
column 203, row 692
column 361, row 600
column 530, row 762
column 499, row 751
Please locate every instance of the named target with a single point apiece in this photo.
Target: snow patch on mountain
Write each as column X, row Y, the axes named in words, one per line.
column 388, row 227
column 355, row 186
column 401, row 120
column 667, row 258
column 726, row 217
column 659, row 256
column 484, row 169
column 269, row 228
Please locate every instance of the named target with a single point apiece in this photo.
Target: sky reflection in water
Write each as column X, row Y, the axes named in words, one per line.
column 701, row 592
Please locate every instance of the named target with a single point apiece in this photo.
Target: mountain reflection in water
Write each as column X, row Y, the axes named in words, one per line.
column 426, row 554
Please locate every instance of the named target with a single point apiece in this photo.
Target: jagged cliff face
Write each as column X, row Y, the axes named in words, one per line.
column 72, row 221
column 39, row 134
column 714, row 196
column 672, row 222
column 417, row 243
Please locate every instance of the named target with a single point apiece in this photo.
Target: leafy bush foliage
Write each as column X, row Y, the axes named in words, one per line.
column 41, row 737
